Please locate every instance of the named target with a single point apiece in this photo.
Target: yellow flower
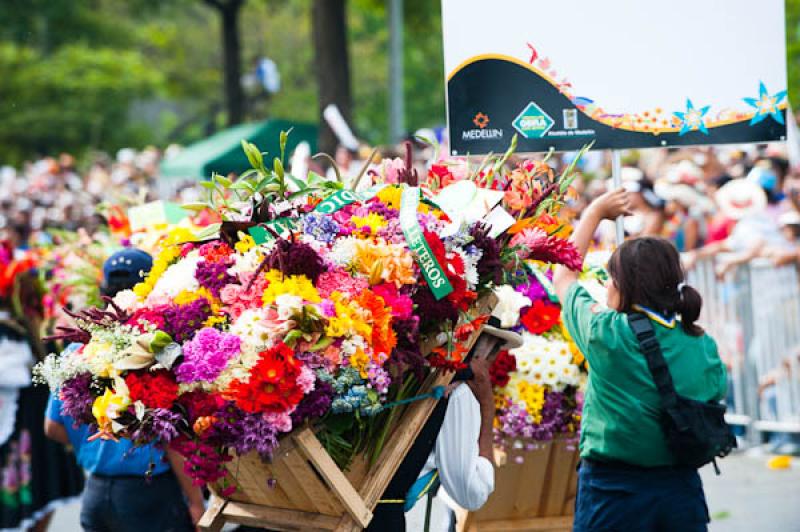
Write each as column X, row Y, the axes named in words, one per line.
column 296, row 285
column 359, row 361
column 349, row 319
column 162, row 261
column 213, row 321
column 577, row 356
column 533, row 397
column 390, row 196
column 245, row 243
column 374, row 221
column 384, row 262
column 109, row 406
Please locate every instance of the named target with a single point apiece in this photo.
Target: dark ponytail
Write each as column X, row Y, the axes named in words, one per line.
column 689, row 308
column 647, row 271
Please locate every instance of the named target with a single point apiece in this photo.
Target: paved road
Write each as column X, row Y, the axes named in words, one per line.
column 747, row 497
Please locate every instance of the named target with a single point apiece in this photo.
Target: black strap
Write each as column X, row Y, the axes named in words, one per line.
column 648, row 343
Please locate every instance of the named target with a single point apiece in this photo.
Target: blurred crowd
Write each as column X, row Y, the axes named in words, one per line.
column 53, row 193
column 743, row 201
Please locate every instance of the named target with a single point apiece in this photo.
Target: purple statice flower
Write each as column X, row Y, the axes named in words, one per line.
column 321, row 227
column 315, row 404
column 206, row 355
column 181, row 321
column 379, row 379
column 243, row 432
column 159, row 426
column 77, row 399
column 213, row 275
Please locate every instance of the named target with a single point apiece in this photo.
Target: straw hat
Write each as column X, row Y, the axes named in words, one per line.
column 684, row 194
column 740, row 198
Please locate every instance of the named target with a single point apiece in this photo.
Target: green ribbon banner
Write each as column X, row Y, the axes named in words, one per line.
column 342, row 198
column 431, row 269
column 282, row 226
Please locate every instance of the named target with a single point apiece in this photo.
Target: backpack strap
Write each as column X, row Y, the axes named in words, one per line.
column 648, row 343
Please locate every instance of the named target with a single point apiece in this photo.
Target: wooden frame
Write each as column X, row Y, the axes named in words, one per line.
column 537, row 494
column 311, row 492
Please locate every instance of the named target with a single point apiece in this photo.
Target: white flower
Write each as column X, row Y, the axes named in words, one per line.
column 246, row 262
column 470, row 266
column 249, row 327
column 288, row 305
column 127, row 300
column 177, row 278
column 343, row 251
column 509, row 303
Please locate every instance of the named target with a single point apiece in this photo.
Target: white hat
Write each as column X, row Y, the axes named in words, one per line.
column 740, row 198
column 686, row 195
column 684, row 172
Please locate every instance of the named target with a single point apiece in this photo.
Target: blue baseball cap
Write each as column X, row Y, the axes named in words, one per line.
column 125, row 268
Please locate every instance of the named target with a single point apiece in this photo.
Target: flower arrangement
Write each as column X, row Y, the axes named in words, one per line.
column 309, row 304
column 539, row 385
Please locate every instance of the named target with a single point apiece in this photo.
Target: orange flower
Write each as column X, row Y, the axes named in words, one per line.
column 202, row 424
column 383, row 336
column 384, row 262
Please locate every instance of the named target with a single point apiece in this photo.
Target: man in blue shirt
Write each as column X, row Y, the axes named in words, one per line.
column 118, row 496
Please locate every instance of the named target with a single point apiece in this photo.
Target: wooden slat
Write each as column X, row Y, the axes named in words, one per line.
column 308, row 481
column 558, row 476
column 348, row 496
column 549, row 524
column 291, row 488
column 213, row 520
column 277, row 519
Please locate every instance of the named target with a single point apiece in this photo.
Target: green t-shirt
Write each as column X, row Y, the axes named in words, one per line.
column 621, row 403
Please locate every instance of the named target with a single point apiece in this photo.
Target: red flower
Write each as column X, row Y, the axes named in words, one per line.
column 448, row 361
column 154, row 316
column 156, row 389
column 503, row 364
column 453, row 267
column 541, row 317
column 273, row 384
column 200, row 404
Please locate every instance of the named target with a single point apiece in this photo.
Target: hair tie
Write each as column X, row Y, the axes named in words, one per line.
column 681, row 286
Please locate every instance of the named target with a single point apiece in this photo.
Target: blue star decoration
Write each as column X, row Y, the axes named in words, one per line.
column 692, row 119
column 766, row 105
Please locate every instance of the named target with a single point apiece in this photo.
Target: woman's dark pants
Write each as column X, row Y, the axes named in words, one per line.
column 622, row 498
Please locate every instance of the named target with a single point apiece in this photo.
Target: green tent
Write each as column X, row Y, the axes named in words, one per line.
column 222, row 152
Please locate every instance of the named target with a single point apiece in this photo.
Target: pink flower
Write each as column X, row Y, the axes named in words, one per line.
column 536, row 244
column 341, row 281
column 306, row 379
column 281, row 421
column 206, row 355
column 401, row 304
column 238, row 298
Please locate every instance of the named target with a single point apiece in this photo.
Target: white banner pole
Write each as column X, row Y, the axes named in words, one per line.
column 616, row 178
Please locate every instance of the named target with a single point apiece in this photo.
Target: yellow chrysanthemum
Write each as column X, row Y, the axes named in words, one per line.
column 213, row 321
column 296, row 285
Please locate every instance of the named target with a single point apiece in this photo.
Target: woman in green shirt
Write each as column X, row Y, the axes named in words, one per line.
column 628, row 480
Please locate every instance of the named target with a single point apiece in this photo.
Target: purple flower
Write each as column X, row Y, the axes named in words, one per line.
column 159, row 426
column 321, row 227
column 77, row 399
column 206, row 355
column 243, row 432
column 213, row 275
column 379, row 378
column 181, row 321
column 315, row 404
column 533, row 289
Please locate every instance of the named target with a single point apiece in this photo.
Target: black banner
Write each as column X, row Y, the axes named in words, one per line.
column 490, row 100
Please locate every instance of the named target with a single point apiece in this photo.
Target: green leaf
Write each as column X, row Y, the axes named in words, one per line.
column 224, row 181
column 208, row 184
column 195, row 207
column 509, row 152
column 302, row 185
column 277, row 167
column 253, row 154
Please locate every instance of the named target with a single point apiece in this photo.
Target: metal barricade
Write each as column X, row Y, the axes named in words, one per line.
column 754, row 315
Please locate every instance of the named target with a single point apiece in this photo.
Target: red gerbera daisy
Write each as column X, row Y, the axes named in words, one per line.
column 541, row 317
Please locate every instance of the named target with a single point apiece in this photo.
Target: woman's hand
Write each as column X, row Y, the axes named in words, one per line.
column 611, row 205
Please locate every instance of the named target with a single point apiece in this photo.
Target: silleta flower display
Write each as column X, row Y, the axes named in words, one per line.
column 312, row 304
